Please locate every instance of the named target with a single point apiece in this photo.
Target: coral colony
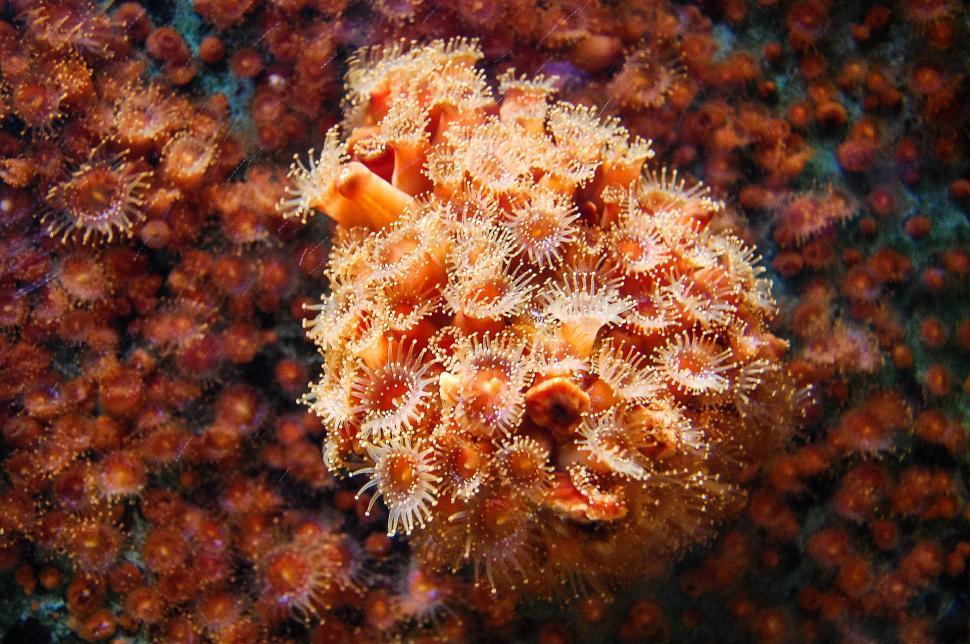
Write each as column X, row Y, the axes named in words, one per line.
column 543, row 359
column 497, row 358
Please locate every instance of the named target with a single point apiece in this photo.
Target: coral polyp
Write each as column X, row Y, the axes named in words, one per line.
column 305, row 575
column 404, row 476
column 102, row 198
column 39, row 104
column 522, row 418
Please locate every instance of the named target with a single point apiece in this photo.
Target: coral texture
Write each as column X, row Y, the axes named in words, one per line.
column 159, row 479
column 543, row 357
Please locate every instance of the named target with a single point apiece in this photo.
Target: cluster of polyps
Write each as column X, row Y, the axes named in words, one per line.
column 542, row 357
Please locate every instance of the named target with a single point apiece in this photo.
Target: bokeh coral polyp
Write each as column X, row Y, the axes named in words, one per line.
column 551, row 362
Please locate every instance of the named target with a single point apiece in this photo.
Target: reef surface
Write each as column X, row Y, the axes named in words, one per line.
column 165, row 476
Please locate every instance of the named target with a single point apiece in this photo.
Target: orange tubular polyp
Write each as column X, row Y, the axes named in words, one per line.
column 374, row 202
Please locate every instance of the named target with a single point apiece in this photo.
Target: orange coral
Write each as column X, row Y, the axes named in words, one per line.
column 523, row 338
